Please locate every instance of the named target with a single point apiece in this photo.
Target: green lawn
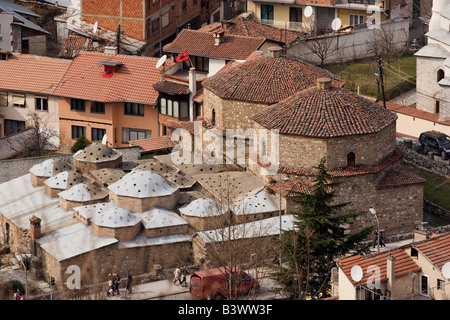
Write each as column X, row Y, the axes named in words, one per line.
column 399, row 76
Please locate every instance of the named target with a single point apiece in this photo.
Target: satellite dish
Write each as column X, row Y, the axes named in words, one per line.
column 95, row 27
column 336, row 24
column 446, row 270
column 356, row 273
column 308, row 11
column 161, row 61
column 104, row 139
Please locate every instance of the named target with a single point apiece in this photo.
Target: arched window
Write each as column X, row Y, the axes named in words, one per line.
column 263, row 149
column 440, row 75
column 350, row 159
column 213, row 117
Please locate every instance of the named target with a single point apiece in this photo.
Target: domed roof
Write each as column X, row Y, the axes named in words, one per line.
column 90, row 210
column 203, row 207
column 266, row 79
column 259, row 202
column 142, row 184
column 325, row 113
column 83, row 192
column 65, row 179
column 158, row 217
column 50, row 167
column 115, row 217
column 97, row 152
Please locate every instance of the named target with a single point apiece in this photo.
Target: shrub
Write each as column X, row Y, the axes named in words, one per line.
column 81, row 143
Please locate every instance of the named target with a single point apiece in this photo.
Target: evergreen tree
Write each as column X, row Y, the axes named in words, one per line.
column 310, row 250
column 81, row 143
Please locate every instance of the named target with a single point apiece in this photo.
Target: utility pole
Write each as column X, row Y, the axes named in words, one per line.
column 380, row 67
column 118, row 40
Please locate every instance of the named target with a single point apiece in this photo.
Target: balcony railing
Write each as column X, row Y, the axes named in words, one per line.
column 287, row 25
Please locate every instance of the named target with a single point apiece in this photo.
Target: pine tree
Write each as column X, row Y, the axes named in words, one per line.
column 310, row 250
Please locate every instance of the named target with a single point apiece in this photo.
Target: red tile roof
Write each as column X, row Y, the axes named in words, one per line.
column 171, row 87
column 291, row 187
column 403, row 264
column 154, row 144
column 247, row 27
column 399, row 177
column 413, row 112
column 31, row 73
column 436, row 249
column 325, row 113
column 132, row 82
column 200, row 43
column 264, row 79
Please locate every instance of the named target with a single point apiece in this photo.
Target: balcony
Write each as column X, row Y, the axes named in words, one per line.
column 287, row 25
column 358, row 4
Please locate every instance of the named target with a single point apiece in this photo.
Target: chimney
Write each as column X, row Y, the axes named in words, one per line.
column 390, row 271
column 323, row 83
column 110, row 50
column 35, row 232
column 275, row 52
column 218, row 37
column 193, row 90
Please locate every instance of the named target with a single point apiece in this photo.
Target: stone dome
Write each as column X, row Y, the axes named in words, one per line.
column 203, row 208
column 50, row 167
column 97, row 152
column 65, row 179
column 115, row 217
column 84, row 192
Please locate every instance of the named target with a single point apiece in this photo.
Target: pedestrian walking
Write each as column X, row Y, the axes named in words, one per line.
column 18, row 295
column 375, row 240
column 116, row 284
column 382, row 240
column 176, row 275
column 129, row 280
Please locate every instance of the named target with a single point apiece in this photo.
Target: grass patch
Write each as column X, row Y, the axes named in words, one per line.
column 399, row 76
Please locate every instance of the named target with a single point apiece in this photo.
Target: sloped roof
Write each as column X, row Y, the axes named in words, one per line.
column 107, row 176
column 97, row 152
column 132, row 81
column 259, row 202
column 142, row 184
column 65, row 179
column 159, row 217
column 203, row 208
column 83, row 192
column 403, row 264
column 50, row 167
column 115, row 217
column 90, row 210
column 436, row 250
column 328, row 113
column 32, row 73
column 154, row 144
column 265, row 79
column 432, row 50
column 171, row 87
column 200, row 43
column 399, row 177
column 17, row 11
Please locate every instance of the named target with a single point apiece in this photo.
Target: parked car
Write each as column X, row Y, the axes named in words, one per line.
column 435, row 142
column 212, row 284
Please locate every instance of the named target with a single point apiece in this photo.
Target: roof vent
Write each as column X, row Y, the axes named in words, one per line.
column 218, row 37
column 323, row 83
column 275, row 52
column 110, row 67
column 110, row 50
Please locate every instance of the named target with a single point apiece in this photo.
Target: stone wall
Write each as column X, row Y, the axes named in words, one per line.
column 142, row 204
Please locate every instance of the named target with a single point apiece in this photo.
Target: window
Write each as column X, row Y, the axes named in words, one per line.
column 213, row 117
column 174, row 108
column 436, row 106
column 18, row 100
column 13, row 126
column 130, row 134
column 414, row 253
column 295, row 15
column 3, row 99
column 440, row 284
column 424, row 285
column 78, row 131
column 165, row 20
column 184, row 6
column 97, row 107
column 267, row 12
column 97, row 134
column 351, row 159
column 440, row 75
column 163, row 106
column 77, row 105
column 200, row 64
column 356, row 19
column 134, row 109
column 41, row 103
column 155, row 25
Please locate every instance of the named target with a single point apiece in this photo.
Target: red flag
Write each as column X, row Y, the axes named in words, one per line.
column 182, row 56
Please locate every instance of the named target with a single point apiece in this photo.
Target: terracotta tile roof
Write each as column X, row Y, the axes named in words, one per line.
column 404, row 264
column 291, row 187
column 413, row 112
column 73, row 44
column 264, row 79
column 436, row 249
column 171, row 87
column 247, row 27
column 325, row 113
column 399, row 177
column 32, row 73
column 154, row 144
column 200, row 43
column 132, row 82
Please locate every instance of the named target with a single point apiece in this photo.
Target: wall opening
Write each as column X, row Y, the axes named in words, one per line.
column 351, row 159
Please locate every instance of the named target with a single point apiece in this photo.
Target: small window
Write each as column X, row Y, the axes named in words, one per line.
column 440, row 75
column 213, row 117
column 130, row 134
column 97, row 107
column 41, row 103
column 440, row 284
column 436, row 106
column 77, row 105
column 78, row 131
column 155, row 25
column 97, row 134
column 163, row 106
column 414, row 253
column 3, row 99
column 18, row 100
column 351, row 159
column 184, row 6
column 134, row 109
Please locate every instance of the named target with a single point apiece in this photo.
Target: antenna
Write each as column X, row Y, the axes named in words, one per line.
column 104, row 140
column 336, row 24
column 446, row 270
column 95, row 27
column 356, row 273
column 161, row 61
column 308, row 11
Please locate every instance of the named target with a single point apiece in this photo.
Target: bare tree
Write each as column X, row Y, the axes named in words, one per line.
column 382, row 43
column 322, row 45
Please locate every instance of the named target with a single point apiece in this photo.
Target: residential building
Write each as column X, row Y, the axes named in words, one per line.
column 411, row 272
column 108, row 94
column 19, row 30
column 25, row 88
column 156, row 22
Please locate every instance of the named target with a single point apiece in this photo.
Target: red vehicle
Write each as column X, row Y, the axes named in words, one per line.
column 211, row 283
